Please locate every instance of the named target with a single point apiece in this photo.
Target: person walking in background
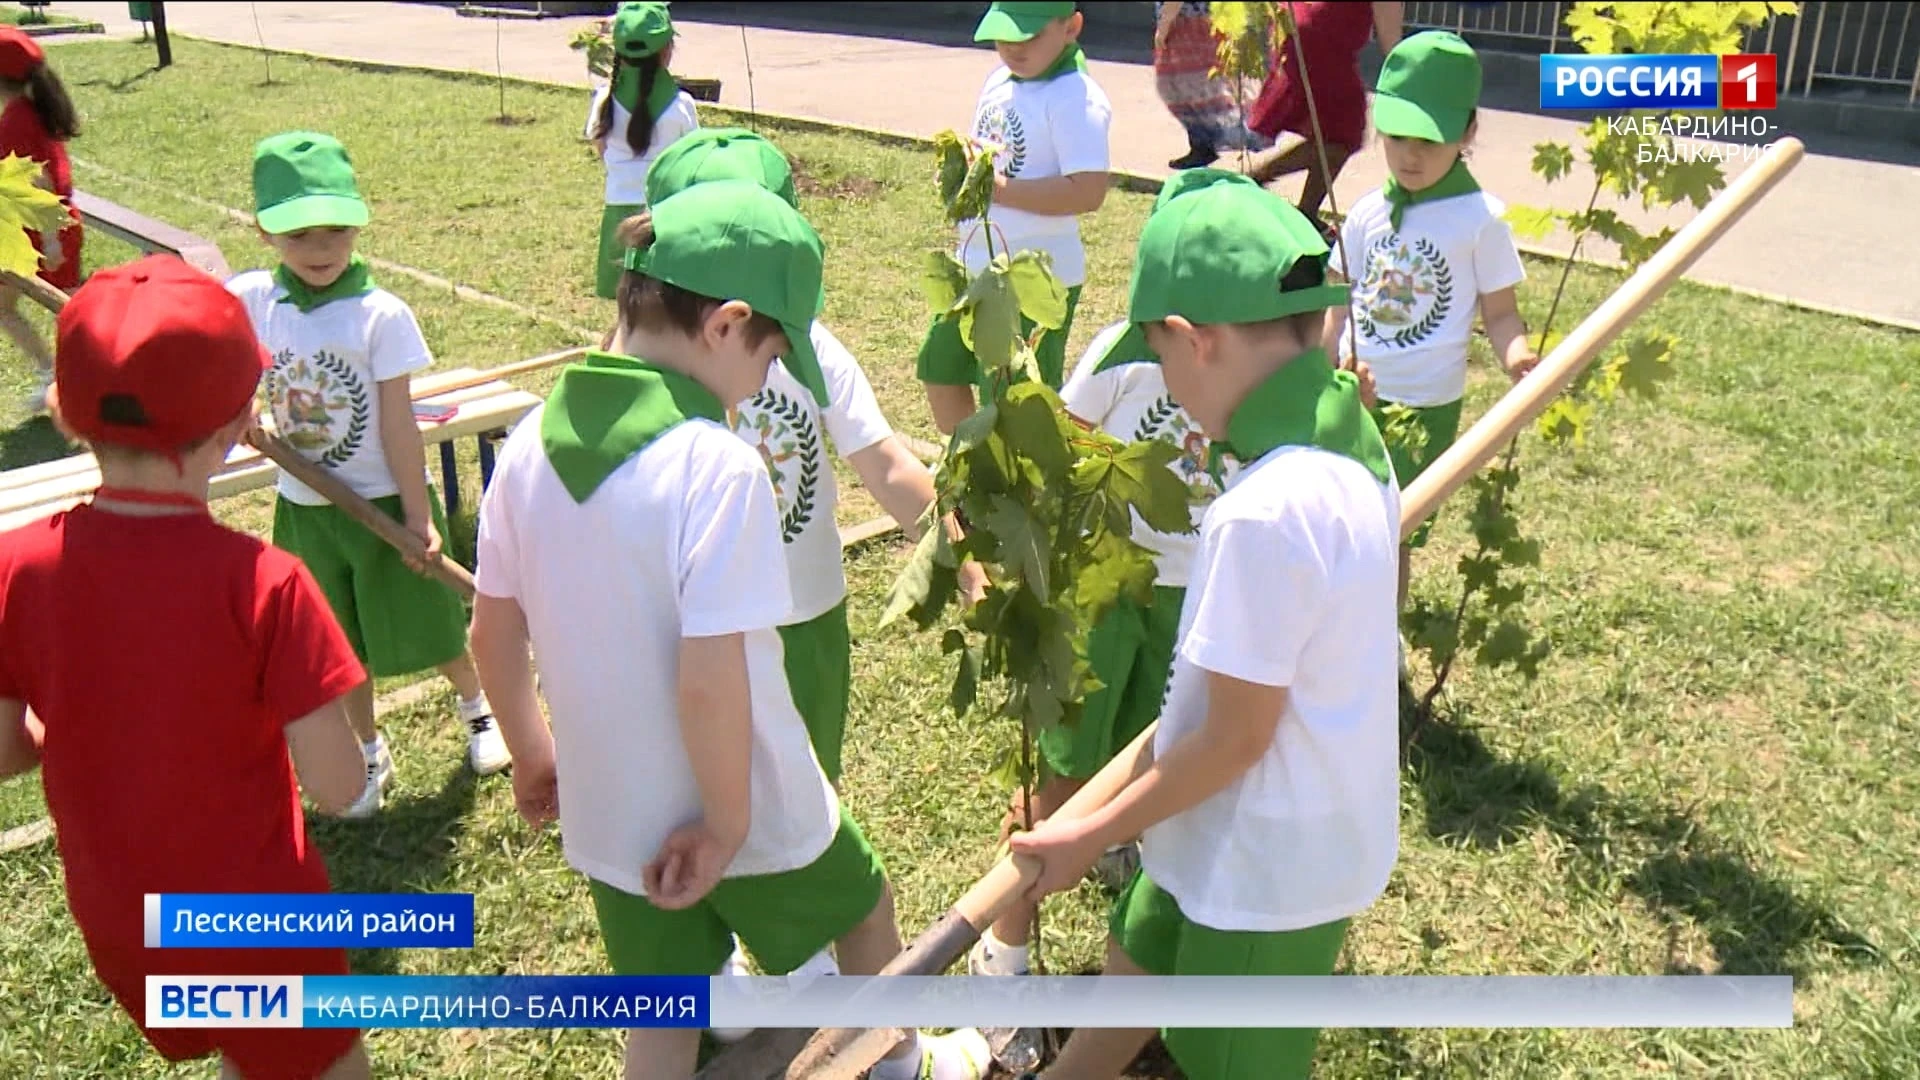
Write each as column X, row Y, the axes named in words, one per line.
column 1329, row 37
column 1185, row 52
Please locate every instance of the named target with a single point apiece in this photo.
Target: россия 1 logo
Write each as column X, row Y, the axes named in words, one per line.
column 1681, row 82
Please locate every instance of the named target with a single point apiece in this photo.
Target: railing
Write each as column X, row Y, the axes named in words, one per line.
column 1863, row 45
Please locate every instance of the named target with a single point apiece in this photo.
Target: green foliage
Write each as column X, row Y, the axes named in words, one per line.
column 596, row 41
column 1048, row 505
column 1249, row 33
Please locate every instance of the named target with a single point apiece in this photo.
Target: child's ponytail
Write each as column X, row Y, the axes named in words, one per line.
column 603, row 120
column 640, row 124
column 51, row 103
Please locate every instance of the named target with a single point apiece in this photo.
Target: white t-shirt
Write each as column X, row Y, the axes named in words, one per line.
column 784, row 425
column 1418, row 289
column 1053, row 128
column 681, row 540
column 627, row 171
column 1293, row 586
column 324, row 385
column 1130, row 402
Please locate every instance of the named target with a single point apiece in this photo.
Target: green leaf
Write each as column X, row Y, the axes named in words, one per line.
column 1031, row 424
column 25, row 207
column 1023, row 544
column 951, row 171
column 990, row 324
column 1142, row 479
column 1504, row 595
column 976, row 191
column 1042, row 297
column 953, row 641
column 1118, row 567
column 1646, row 363
column 1506, row 644
column 1435, row 631
column 1552, row 160
column 1520, row 552
column 944, row 281
column 1479, row 572
column 1565, row 422
column 1531, row 223
column 966, row 682
column 1005, row 770
column 913, row 586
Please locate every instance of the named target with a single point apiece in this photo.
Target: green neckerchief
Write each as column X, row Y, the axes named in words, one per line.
column 607, row 408
column 1071, row 58
column 1129, row 348
column 353, row 281
column 626, row 91
column 1458, row 181
column 1306, row 403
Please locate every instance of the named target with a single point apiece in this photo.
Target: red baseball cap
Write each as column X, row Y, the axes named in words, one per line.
column 155, row 355
column 19, row 54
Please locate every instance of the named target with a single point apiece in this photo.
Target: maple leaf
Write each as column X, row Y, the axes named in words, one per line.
column 1552, row 160
column 1646, row 363
column 23, row 207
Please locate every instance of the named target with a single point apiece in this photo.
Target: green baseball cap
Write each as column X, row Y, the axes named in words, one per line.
column 1006, row 21
column 735, row 240
column 720, row 154
column 1218, row 247
column 1428, row 89
column 641, row 29
column 303, row 180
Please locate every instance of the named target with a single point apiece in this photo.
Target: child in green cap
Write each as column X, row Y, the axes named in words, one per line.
column 639, row 112
column 344, row 351
column 1268, row 809
column 1049, row 120
column 632, row 541
column 788, row 428
column 1430, row 248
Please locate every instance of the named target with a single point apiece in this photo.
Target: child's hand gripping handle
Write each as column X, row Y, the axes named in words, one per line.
column 359, row 509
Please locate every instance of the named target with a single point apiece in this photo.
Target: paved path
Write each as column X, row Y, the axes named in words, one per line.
column 1817, row 238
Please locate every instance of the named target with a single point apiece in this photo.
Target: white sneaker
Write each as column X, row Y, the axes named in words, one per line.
column 982, row 960
column 736, row 967
column 486, row 749
column 37, row 401
column 379, row 773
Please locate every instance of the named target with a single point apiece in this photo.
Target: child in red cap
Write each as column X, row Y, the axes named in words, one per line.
column 36, row 121
column 185, row 681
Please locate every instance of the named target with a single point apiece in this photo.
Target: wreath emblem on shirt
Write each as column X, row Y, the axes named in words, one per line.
column 1167, row 421
column 320, row 405
column 784, row 432
column 1406, row 293
column 1001, row 125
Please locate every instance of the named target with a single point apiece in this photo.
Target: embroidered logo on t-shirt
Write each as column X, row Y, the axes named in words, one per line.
column 1405, row 294
column 1001, row 125
column 1166, row 421
column 320, row 405
column 784, row 432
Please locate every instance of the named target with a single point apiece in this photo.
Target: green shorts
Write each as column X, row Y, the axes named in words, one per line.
column 946, row 361
column 1131, row 653
column 783, row 919
column 611, row 261
column 1441, row 423
column 398, row 621
column 819, row 654
column 1149, row 927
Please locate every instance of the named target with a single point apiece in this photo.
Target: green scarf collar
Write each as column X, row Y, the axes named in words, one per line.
column 353, row 281
column 1306, row 403
column 1458, row 181
column 626, row 91
column 1071, row 58
column 607, row 408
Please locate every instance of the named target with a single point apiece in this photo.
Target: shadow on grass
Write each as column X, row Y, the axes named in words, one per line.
column 408, row 847
column 1756, row 924
column 31, row 443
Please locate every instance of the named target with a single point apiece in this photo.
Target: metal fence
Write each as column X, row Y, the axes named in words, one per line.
column 1873, row 48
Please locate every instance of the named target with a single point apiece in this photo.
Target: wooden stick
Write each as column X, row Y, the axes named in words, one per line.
column 322, row 480
column 832, row 1052
column 42, row 293
column 508, row 371
column 1525, row 402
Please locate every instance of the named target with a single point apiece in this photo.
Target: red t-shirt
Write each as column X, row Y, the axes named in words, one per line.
column 165, row 656
column 21, row 132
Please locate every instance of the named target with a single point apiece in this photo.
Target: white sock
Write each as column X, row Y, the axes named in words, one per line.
column 474, row 706
column 822, row 963
column 1002, row 958
column 372, row 749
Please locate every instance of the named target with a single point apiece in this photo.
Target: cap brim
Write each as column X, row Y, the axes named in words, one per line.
column 1403, row 119
column 803, row 363
column 1002, row 26
column 314, row 212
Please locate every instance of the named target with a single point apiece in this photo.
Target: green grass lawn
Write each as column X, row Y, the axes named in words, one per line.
column 1718, row 769
column 15, row 15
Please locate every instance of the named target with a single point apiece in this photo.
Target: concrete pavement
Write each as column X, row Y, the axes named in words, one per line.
column 1819, row 238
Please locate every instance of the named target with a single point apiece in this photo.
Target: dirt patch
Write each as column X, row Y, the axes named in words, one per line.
column 814, row 182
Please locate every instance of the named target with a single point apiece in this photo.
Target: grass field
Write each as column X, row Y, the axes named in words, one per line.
column 1718, row 769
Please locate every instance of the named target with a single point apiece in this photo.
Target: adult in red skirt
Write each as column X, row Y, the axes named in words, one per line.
column 1185, row 50
column 1330, row 36
column 36, row 121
